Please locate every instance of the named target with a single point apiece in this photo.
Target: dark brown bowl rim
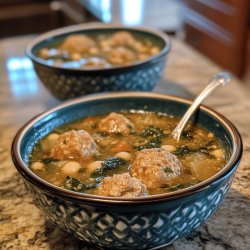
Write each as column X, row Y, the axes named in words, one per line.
column 229, row 168
column 86, row 27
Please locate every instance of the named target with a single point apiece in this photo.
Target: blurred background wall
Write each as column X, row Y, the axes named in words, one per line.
column 220, row 29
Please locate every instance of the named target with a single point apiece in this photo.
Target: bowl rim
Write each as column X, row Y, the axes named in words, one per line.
column 28, row 174
column 95, row 26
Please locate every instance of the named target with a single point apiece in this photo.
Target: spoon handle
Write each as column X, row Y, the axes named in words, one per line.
column 220, row 79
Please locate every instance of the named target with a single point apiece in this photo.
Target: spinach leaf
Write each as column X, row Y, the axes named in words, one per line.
column 111, row 164
column 184, row 150
column 152, row 131
column 48, row 160
column 93, row 185
column 179, row 186
column 102, row 134
column 187, row 135
column 38, row 147
column 153, row 143
column 74, row 184
column 154, row 136
column 61, row 129
column 168, row 170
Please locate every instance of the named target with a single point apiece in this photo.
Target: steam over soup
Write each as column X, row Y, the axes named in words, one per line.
column 130, row 154
column 99, row 51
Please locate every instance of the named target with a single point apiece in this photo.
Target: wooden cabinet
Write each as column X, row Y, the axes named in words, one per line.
column 219, row 29
column 27, row 16
column 19, row 17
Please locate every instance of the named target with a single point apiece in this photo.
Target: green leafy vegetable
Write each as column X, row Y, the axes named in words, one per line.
column 62, row 129
column 154, row 136
column 93, row 185
column 184, row 150
column 38, row 147
column 168, row 170
column 103, row 134
column 111, row 164
column 129, row 126
column 74, row 184
column 48, row 160
column 179, row 186
column 153, row 143
column 187, row 135
column 152, row 131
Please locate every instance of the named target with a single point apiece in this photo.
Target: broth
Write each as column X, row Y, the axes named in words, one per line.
column 132, row 150
column 99, row 51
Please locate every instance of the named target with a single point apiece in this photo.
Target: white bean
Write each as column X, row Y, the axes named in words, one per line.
column 93, row 166
column 59, row 164
column 154, row 50
column 93, row 51
column 44, row 53
column 71, row 168
column 218, row 153
column 50, row 141
column 140, row 48
column 142, row 56
column 124, row 155
column 76, row 56
column 210, row 135
column 169, row 148
column 53, row 137
column 38, row 166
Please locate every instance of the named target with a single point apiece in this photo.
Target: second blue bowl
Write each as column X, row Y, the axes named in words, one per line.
column 65, row 83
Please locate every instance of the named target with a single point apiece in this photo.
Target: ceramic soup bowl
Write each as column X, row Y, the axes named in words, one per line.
column 66, row 82
column 127, row 223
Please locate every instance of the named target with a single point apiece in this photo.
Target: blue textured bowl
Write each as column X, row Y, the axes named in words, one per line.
column 65, row 83
column 127, row 223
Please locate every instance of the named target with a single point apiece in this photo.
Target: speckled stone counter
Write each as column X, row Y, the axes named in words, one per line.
column 23, row 226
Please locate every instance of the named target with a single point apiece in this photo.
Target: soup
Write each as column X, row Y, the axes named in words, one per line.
column 127, row 154
column 100, row 51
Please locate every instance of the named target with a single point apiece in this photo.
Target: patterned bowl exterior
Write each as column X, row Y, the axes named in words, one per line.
column 70, row 84
column 66, row 83
column 139, row 223
column 149, row 227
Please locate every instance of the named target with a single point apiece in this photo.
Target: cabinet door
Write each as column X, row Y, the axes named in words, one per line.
column 27, row 17
column 218, row 29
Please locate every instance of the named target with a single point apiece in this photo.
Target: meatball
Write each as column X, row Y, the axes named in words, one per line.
column 121, row 185
column 122, row 38
column 115, row 123
column 155, row 167
column 121, row 56
column 77, row 44
column 74, row 144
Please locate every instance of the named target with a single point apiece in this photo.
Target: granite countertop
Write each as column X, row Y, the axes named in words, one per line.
column 23, row 226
